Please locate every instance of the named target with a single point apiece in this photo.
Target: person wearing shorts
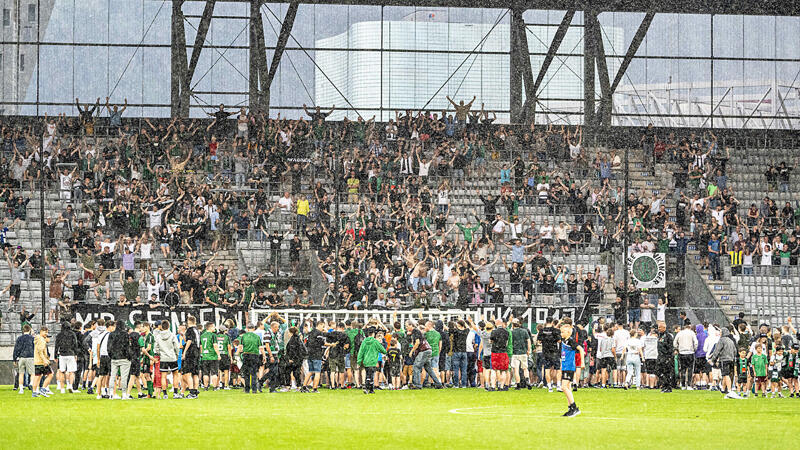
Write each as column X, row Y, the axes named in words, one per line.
column 190, row 360
column 24, row 367
column 499, row 361
column 165, row 350
column 608, row 363
column 41, row 360
column 67, row 364
column 701, row 365
column 650, row 366
column 104, row 368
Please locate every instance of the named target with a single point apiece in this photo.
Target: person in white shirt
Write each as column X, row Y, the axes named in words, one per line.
column 546, row 235
column 621, row 336
column 424, row 166
column 66, row 184
column 498, row 229
column 472, row 357
column 103, row 360
column 661, row 309
column 285, row 203
column 443, row 199
column 685, row 343
column 634, row 356
column 651, row 358
column 605, row 354
column 713, row 336
column 646, row 318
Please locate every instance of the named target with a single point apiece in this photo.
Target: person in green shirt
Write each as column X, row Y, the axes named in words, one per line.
column 209, row 356
column 759, row 362
column 252, row 354
column 212, row 295
column 353, row 329
column 225, row 356
column 147, row 346
column 248, row 294
column 368, row 356
column 468, row 230
column 434, row 339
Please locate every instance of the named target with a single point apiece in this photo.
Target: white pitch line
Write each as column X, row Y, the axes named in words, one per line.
column 474, row 411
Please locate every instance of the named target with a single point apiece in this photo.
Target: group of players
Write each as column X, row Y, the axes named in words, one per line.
column 110, row 358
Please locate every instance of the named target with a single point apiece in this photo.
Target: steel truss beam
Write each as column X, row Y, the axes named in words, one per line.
column 637, row 40
column 280, row 46
column 521, row 71
column 182, row 73
column 533, row 92
column 258, row 60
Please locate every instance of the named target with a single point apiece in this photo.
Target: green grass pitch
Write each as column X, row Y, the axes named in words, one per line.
column 453, row 418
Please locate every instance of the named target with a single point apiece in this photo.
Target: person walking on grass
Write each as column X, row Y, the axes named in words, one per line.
column 723, row 357
column 190, row 360
column 315, row 343
column 295, row 354
column 119, row 352
column 499, row 342
column 569, row 348
column 23, row 356
column 166, row 349
column 368, row 357
column 42, row 374
column 634, row 354
column 66, row 349
column 209, row 356
column 252, row 354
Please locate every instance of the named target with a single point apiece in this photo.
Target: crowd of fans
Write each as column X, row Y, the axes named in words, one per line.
column 152, row 204
column 280, row 354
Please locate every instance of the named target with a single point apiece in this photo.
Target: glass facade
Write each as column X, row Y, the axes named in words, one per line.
column 690, row 70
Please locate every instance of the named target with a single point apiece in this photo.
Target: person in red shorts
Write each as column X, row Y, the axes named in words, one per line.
column 499, row 342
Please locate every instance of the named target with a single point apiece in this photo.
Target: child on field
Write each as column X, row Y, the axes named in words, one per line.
column 775, row 365
column 759, row 364
column 742, row 373
column 394, row 358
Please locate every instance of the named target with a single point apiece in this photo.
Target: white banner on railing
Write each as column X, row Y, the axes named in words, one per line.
column 529, row 316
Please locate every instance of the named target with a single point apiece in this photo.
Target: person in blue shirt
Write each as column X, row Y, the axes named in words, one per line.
column 569, row 347
column 713, row 254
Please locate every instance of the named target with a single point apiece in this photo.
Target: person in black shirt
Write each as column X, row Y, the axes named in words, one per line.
column 295, row 246
column 338, row 345
column 444, row 368
column 315, row 343
column 551, row 354
column 499, row 341
column 191, row 359
column 66, row 351
column 665, row 361
column 220, row 120
column 458, row 338
column 79, row 291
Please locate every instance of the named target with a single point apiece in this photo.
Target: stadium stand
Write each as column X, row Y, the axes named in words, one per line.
column 429, row 209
